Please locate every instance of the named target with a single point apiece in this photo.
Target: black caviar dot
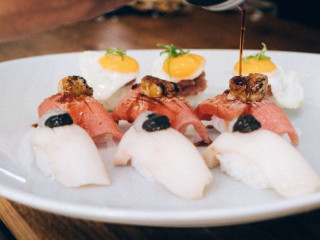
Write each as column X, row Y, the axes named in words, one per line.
column 151, row 115
column 156, row 122
column 58, row 120
column 246, row 123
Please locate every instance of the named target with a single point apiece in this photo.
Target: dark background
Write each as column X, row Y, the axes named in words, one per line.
column 302, row 11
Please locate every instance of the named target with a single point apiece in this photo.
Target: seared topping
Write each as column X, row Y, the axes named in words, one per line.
column 74, row 86
column 257, row 87
column 238, row 85
column 156, row 122
column 59, row 120
column 246, row 123
column 250, row 88
column 155, row 87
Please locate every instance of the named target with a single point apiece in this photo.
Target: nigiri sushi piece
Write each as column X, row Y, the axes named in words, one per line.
column 75, row 96
column 154, row 94
column 285, row 88
column 66, row 152
column 247, row 96
column 162, row 154
column 262, row 160
column 110, row 75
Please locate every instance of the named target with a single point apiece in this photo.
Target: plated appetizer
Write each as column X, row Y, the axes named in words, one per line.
column 284, row 85
column 250, row 147
column 182, row 67
column 246, row 96
column 162, row 154
column 66, row 152
column 75, row 96
column 262, row 159
column 110, row 75
column 160, row 96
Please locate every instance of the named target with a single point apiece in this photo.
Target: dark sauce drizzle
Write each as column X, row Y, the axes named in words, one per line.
column 242, row 8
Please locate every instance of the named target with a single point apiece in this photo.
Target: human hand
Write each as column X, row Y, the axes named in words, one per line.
column 19, row 19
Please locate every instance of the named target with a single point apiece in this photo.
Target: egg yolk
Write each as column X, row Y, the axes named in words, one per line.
column 253, row 65
column 114, row 62
column 183, row 66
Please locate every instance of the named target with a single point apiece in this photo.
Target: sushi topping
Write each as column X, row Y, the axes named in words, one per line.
column 74, row 86
column 246, row 124
column 59, row 120
column 260, row 55
column 156, row 122
column 155, row 87
column 116, row 51
column 172, row 52
column 251, row 88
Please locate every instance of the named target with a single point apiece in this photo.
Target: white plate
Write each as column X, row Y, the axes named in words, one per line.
column 131, row 199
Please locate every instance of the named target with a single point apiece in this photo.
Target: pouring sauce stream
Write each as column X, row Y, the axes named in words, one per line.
column 242, row 8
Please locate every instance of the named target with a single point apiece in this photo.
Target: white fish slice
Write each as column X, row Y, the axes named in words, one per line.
column 276, row 163
column 68, row 154
column 167, row 157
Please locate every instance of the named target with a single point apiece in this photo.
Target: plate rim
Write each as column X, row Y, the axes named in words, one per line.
column 183, row 218
column 167, row 218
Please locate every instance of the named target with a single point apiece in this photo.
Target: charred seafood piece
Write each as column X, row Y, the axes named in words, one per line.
column 155, row 87
column 74, row 86
column 251, row 88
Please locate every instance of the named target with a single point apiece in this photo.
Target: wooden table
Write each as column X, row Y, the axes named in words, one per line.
column 195, row 29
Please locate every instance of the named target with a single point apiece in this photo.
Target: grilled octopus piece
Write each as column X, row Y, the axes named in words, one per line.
column 251, row 88
column 74, row 86
column 155, row 87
